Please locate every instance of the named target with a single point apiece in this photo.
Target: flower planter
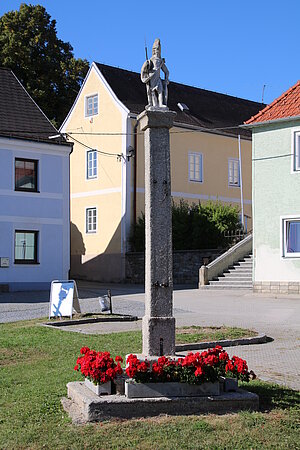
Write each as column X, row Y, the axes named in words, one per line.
column 119, row 383
column 229, row 384
column 169, row 389
column 98, row 389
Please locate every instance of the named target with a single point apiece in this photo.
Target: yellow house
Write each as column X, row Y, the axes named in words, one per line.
column 107, row 163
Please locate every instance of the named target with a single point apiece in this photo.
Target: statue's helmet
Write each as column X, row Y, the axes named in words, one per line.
column 156, row 49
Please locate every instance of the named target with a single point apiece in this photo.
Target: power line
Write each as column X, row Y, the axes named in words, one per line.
column 107, row 133
column 117, row 155
column 272, row 157
column 91, row 133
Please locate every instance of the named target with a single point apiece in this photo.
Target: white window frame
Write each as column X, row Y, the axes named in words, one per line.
column 94, row 152
column 234, row 161
column 86, row 99
column 284, row 220
column 296, row 151
column 93, row 229
column 192, row 173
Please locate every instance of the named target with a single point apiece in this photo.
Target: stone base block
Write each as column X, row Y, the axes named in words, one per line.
column 276, row 287
column 158, row 336
column 85, row 406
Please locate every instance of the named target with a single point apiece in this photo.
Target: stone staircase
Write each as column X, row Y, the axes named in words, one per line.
column 237, row 276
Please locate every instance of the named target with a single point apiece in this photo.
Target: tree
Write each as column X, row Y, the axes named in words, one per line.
column 44, row 64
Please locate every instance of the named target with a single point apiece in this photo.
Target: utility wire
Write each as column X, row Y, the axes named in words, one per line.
column 235, row 127
column 272, row 157
column 90, row 133
column 118, row 155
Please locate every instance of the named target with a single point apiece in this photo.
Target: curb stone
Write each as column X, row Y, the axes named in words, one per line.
column 260, row 339
column 65, row 323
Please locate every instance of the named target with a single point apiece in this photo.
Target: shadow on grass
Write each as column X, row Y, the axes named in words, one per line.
column 272, row 396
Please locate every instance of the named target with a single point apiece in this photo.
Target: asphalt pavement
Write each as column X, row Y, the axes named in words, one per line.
column 278, row 316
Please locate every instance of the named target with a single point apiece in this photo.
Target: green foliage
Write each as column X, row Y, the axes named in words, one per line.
column 195, row 226
column 44, row 64
column 137, row 235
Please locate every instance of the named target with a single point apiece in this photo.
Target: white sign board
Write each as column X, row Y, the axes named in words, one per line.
column 63, row 298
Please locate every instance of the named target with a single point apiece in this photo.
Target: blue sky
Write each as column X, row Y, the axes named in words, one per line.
column 232, row 46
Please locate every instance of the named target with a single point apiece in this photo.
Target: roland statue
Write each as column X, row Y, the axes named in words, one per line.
column 157, row 89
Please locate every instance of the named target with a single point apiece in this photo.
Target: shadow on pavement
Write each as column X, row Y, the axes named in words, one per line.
column 86, row 289
column 90, row 289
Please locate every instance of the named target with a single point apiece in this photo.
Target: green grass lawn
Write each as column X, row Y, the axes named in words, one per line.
column 188, row 335
column 37, row 362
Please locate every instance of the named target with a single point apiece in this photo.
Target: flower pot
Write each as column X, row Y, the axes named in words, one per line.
column 98, row 389
column 119, row 383
column 229, row 384
column 170, row 389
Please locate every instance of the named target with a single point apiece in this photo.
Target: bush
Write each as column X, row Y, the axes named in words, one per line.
column 194, row 226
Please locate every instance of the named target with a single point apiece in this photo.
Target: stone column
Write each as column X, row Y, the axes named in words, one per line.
column 158, row 322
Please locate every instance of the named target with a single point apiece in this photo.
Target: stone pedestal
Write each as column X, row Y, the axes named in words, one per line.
column 158, row 322
column 85, row 406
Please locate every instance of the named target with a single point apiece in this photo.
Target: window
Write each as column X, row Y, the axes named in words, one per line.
column 296, row 162
column 26, row 174
column 91, row 220
column 91, row 164
column 91, row 105
column 195, row 167
column 291, row 237
column 233, row 172
column 26, row 247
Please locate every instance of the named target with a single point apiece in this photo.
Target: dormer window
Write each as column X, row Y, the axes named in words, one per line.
column 183, row 107
column 91, row 105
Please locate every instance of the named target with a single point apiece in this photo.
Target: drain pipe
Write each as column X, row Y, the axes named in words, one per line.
column 241, row 182
column 135, row 170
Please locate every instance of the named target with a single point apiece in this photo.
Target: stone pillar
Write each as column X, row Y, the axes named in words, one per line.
column 158, row 322
column 203, row 276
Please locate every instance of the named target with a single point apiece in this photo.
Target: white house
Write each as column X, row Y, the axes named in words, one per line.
column 34, row 193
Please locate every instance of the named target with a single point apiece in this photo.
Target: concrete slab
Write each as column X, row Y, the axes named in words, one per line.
column 84, row 406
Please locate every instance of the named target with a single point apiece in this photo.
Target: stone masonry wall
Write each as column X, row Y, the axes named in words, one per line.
column 186, row 265
column 276, row 287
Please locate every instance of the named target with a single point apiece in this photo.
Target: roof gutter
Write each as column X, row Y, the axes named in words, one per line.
column 267, row 122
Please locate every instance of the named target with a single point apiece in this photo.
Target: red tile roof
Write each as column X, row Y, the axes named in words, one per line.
column 285, row 106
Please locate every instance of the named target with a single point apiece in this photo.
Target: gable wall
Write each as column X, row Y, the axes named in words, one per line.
column 103, row 192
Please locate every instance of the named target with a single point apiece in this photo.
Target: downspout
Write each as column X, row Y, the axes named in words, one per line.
column 241, row 182
column 70, row 228
column 135, row 171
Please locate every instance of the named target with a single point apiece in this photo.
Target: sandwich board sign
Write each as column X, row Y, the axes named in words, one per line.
column 63, row 298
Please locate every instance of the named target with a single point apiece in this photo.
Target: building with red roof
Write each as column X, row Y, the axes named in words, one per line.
column 276, row 194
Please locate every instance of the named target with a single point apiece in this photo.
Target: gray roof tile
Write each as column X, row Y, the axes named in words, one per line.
column 20, row 117
column 207, row 109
